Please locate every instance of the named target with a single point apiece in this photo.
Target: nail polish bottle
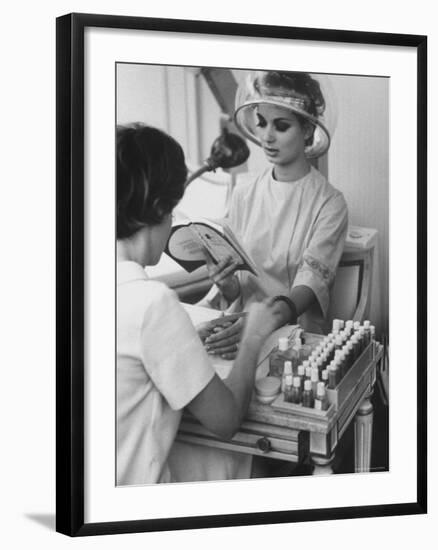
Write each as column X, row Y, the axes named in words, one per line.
column 339, row 363
column 332, row 375
column 277, row 358
column 321, row 399
column 308, row 397
column 288, row 388
column 296, row 394
column 301, row 374
column 287, row 371
column 314, row 378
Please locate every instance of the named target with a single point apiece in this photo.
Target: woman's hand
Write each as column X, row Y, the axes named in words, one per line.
column 204, row 330
column 224, row 339
column 262, row 319
column 222, row 274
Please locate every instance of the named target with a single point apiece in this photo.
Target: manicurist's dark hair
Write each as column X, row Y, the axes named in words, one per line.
column 151, row 173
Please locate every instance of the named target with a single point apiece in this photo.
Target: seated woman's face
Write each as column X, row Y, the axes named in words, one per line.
column 281, row 135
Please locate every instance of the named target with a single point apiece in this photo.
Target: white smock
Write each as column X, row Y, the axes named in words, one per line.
column 161, row 367
column 295, row 233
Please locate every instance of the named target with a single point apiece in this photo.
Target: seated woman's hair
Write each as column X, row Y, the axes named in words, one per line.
column 151, row 173
column 294, row 84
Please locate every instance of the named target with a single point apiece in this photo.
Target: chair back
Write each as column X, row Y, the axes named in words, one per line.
column 351, row 291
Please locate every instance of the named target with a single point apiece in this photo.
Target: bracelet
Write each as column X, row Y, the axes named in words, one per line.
column 291, row 305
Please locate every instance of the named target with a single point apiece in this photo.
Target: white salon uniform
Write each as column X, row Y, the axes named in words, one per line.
column 295, row 233
column 161, row 367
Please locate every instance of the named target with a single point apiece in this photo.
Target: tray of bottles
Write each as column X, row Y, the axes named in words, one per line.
column 354, row 381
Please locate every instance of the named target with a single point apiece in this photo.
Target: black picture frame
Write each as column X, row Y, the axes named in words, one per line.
column 70, row 272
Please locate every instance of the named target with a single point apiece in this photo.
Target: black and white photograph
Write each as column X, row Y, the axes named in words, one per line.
column 219, row 275
column 240, row 219
column 252, row 224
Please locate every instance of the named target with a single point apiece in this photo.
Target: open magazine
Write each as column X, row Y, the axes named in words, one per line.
column 192, row 241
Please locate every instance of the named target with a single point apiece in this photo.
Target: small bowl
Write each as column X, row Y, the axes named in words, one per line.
column 267, row 389
column 266, row 400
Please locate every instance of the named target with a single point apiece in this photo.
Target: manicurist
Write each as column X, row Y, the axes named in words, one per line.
column 162, row 366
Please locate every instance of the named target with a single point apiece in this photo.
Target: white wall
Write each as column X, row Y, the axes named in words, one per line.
column 168, row 98
column 140, row 95
column 358, row 165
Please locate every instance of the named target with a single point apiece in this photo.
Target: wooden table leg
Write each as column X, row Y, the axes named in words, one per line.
column 322, row 465
column 363, row 431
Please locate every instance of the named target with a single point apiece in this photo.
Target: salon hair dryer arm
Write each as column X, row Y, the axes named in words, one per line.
column 221, row 406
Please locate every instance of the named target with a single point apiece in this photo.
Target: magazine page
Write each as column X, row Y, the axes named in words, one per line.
column 189, row 244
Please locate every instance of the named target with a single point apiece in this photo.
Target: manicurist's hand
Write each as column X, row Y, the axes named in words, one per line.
column 262, row 319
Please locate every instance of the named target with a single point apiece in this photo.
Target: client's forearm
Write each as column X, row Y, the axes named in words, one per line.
column 302, row 297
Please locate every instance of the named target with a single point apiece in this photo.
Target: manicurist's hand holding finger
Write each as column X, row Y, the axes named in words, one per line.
column 261, row 320
column 209, row 328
